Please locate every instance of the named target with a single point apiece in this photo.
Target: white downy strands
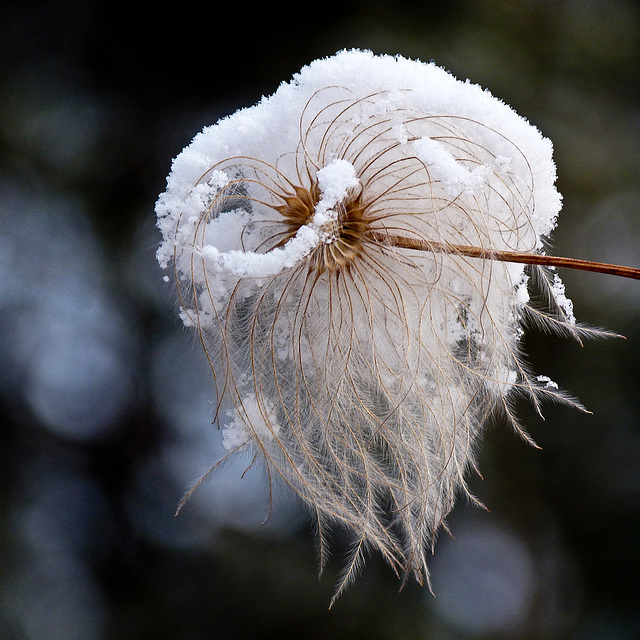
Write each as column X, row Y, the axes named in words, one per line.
column 357, row 357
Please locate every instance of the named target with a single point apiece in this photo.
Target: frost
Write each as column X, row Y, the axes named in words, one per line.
column 236, row 433
column 522, row 290
column 218, row 179
column 561, row 298
column 226, row 228
column 260, row 265
column 440, row 160
column 549, row 383
column 271, row 129
column 335, row 180
column 400, row 133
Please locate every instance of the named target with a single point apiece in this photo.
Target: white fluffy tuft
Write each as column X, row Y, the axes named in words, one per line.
column 360, row 372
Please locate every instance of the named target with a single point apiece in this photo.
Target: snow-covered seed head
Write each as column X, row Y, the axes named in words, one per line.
column 359, row 352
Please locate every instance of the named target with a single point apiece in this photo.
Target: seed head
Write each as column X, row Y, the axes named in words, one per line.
column 340, row 248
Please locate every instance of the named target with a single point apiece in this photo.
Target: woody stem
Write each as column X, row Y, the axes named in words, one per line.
column 506, row 256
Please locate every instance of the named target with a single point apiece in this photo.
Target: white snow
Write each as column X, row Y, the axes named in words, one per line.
column 443, row 166
column 549, row 383
column 561, row 298
column 271, row 130
column 335, row 180
column 260, row 265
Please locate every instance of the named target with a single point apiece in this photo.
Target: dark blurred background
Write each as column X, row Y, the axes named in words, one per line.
column 105, row 402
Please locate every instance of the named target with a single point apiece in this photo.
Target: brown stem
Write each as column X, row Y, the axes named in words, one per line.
column 507, row 256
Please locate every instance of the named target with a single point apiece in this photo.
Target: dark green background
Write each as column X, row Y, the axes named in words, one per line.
column 95, row 100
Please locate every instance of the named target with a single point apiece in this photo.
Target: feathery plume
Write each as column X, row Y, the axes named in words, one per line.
column 351, row 252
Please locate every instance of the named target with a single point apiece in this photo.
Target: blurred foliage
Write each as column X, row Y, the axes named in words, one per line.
column 104, row 404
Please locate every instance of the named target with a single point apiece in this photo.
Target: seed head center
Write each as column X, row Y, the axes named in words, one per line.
column 344, row 234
